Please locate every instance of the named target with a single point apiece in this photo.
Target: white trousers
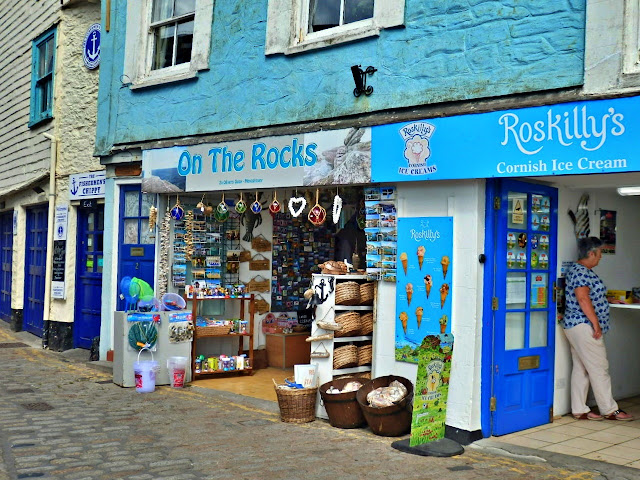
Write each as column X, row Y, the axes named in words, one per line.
column 590, row 365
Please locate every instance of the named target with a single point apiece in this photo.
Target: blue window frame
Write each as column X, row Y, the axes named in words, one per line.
column 42, row 70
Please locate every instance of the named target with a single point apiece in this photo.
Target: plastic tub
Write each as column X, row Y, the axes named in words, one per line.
column 390, row 421
column 342, row 409
column 173, row 301
column 145, row 373
column 177, row 367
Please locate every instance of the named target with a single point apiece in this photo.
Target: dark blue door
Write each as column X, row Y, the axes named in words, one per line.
column 88, row 275
column 6, row 255
column 136, row 242
column 34, row 273
column 524, row 306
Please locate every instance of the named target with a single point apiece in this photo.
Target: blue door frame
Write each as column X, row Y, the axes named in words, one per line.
column 517, row 370
column 89, row 264
column 6, row 259
column 34, row 276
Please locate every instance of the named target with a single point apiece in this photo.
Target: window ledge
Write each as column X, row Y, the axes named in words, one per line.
column 40, row 121
column 630, row 79
column 324, row 40
column 153, row 81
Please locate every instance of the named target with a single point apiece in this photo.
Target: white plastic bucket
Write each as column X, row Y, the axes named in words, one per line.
column 145, row 373
column 177, row 367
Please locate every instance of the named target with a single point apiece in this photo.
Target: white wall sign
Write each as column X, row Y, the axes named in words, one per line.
column 91, row 47
column 62, row 214
column 87, row 185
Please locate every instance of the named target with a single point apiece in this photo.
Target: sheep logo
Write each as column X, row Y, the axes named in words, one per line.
column 417, row 149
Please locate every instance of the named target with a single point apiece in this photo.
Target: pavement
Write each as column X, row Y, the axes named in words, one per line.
column 61, row 417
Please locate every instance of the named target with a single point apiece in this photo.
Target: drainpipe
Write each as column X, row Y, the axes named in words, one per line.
column 50, row 232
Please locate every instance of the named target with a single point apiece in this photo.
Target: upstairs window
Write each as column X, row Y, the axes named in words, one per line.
column 631, row 47
column 172, row 29
column 325, row 14
column 42, row 72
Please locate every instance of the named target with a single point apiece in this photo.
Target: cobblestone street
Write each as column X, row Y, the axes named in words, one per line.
column 61, row 419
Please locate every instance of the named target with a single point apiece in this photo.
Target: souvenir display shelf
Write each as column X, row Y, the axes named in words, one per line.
column 247, row 312
column 327, row 311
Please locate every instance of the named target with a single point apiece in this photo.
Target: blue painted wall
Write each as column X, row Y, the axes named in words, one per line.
column 448, row 50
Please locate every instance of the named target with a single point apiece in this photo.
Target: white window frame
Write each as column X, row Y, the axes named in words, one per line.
column 288, row 24
column 139, row 46
column 631, row 38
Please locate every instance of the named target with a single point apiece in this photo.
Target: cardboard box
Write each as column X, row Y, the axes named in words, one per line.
column 619, row 296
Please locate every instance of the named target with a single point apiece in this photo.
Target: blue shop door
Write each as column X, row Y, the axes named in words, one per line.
column 34, row 274
column 136, row 242
column 88, row 275
column 524, row 306
column 6, row 255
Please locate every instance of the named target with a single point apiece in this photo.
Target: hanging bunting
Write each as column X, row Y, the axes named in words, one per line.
column 317, row 215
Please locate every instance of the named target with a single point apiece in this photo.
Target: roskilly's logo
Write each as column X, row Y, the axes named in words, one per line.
column 416, row 139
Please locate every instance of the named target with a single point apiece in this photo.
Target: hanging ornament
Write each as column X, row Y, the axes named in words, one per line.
column 153, row 217
column 241, row 206
column 275, row 206
column 256, row 207
column 177, row 212
column 317, row 215
column 201, row 206
column 222, row 206
column 337, row 208
column 208, row 209
column 297, row 201
column 221, row 216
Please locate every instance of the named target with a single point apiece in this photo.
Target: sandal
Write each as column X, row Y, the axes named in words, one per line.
column 588, row 416
column 620, row 415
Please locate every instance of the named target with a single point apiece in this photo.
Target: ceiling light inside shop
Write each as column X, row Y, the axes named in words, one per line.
column 625, row 191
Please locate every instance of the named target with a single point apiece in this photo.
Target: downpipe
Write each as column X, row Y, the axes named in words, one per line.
column 50, row 233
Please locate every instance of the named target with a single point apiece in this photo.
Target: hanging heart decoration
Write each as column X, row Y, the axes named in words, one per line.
column 317, row 215
column 337, row 208
column 256, row 207
column 241, row 206
column 177, row 212
column 297, row 201
column 222, row 207
column 275, row 206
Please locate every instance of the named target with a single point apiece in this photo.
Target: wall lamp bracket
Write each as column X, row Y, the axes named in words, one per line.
column 360, row 79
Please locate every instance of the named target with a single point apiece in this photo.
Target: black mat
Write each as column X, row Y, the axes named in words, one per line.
column 443, row 447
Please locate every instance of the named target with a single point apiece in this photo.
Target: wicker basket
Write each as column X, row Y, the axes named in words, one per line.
column 365, row 354
column 333, row 267
column 345, row 357
column 297, row 405
column 366, row 293
column 212, row 330
column 366, row 323
column 348, row 293
column 350, row 322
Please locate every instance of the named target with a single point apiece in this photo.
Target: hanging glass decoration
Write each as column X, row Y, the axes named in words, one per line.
column 275, row 206
column 177, row 212
column 337, row 208
column 256, row 207
column 241, row 206
column 297, row 201
column 222, row 211
column 317, row 215
column 222, row 206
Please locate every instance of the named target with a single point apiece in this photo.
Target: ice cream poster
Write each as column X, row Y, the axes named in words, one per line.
column 424, row 282
column 432, row 389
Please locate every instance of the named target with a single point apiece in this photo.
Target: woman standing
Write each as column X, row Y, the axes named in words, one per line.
column 586, row 320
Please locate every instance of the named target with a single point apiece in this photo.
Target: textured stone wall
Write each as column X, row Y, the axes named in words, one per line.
column 449, row 50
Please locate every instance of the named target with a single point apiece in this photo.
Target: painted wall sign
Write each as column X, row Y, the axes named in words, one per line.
column 600, row 136
column 87, row 185
column 320, row 158
column 58, row 268
column 91, row 47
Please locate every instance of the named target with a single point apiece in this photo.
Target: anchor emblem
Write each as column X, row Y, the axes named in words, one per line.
column 74, row 187
column 93, row 54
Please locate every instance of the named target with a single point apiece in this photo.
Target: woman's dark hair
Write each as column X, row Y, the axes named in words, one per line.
column 586, row 245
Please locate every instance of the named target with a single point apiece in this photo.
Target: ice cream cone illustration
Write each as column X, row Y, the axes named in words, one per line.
column 444, row 291
column 404, row 258
column 419, row 313
column 404, row 318
column 409, row 289
column 428, row 283
column 443, row 323
column 445, row 265
column 420, row 254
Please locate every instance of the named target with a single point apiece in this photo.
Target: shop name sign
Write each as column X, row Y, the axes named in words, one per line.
column 87, row 185
column 601, row 136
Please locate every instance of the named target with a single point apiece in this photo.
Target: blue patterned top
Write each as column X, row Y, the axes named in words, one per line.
column 581, row 276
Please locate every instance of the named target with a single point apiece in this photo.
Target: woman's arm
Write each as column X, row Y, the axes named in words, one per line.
column 582, row 295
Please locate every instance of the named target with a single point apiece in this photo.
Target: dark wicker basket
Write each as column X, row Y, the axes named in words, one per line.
column 345, row 357
column 366, row 323
column 366, row 293
column 350, row 322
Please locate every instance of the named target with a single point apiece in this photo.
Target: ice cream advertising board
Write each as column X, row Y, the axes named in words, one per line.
column 424, row 287
column 432, row 389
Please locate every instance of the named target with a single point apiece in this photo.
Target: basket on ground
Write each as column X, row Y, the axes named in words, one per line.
column 350, row 322
column 390, row 421
column 345, row 357
column 342, row 408
column 366, row 323
column 348, row 293
column 366, row 293
column 297, row 405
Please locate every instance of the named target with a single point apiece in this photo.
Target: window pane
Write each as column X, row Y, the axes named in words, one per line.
column 90, row 221
column 45, row 92
column 323, row 14
column 90, row 264
column 90, row 246
column 355, row 10
column 100, row 264
column 185, row 6
column 100, row 225
column 517, row 214
column 162, row 9
column 100, row 242
column 145, row 235
column 163, row 44
column 147, row 202
column 539, row 290
column 516, row 290
column 514, row 331
column 131, row 231
column 185, row 40
column 131, row 204
column 538, row 329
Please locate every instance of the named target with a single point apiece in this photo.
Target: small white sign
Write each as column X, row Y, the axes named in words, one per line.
column 87, row 185
column 57, row 290
column 62, row 214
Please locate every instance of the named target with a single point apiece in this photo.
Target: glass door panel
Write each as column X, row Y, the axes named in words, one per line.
column 514, row 331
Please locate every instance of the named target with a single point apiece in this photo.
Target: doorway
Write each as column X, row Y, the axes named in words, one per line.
column 34, row 269
column 6, row 256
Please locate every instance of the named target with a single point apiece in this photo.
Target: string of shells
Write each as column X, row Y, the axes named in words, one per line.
column 165, row 245
column 188, row 236
column 153, row 218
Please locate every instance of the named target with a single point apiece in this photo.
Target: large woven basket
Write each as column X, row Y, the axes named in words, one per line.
column 366, row 293
column 212, row 330
column 345, row 357
column 366, row 323
column 350, row 322
column 365, row 354
column 348, row 293
column 297, row 405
